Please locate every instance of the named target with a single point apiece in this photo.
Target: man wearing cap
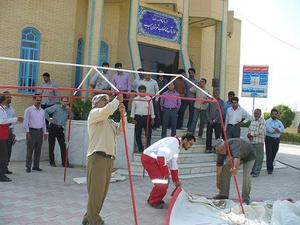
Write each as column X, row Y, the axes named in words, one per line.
column 158, row 159
column 242, row 152
column 102, row 133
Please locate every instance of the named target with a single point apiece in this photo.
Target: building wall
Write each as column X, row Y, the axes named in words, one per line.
column 207, row 55
column 195, row 44
column 231, row 75
column 123, row 54
column 56, row 39
column 110, row 34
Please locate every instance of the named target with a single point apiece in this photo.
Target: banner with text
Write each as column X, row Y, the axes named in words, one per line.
column 255, row 81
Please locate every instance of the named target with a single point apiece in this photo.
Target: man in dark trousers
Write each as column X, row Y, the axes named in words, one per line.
column 213, row 120
column 60, row 114
column 5, row 122
column 35, row 127
column 274, row 128
column 242, row 152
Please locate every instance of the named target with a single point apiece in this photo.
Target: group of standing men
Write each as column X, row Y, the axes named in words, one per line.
column 46, row 118
column 167, row 111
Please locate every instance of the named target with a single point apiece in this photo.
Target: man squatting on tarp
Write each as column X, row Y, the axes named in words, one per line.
column 242, row 152
column 157, row 159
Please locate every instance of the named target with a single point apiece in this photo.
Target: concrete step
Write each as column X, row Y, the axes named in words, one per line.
column 187, row 171
column 155, row 138
column 178, row 132
column 124, row 172
column 184, row 168
column 187, row 157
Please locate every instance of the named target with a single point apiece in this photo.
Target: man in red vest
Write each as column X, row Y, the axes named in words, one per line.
column 158, row 159
column 5, row 122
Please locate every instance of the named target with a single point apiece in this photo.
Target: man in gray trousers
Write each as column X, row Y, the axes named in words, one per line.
column 242, row 152
column 35, row 127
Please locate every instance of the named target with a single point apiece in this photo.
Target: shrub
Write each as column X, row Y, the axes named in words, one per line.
column 290, row 137
column 286, row 115
column 81, row 109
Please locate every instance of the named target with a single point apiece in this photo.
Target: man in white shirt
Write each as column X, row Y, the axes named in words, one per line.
column 141, row 109
column 137, row 81
column 151, row 84
column 236, row 116
column 158, row 159
column 98, row 82
column 5, row 123
column 10, row 112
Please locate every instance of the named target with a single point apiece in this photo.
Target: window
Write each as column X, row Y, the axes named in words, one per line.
column 30, row 49
column 103, row 53
column 78, row 70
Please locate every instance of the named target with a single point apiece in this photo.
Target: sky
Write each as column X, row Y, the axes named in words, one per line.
column 281, row 18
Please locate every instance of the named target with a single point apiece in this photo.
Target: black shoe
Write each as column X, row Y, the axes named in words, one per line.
column 218, row 196
column 159, row 205
column 52, row 165
column 37, row 169
column 69, row 166
column 270, row 172
column 5, row 179
column 28, row 170
column 8, row 172
column 247, row 201
column 85, row 221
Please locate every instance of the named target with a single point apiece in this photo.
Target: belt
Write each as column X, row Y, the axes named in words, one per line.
column 170, row 108
column 36, row 129
column 59, row 126
column 274, row 138
column 231, row 125
column 105, row 155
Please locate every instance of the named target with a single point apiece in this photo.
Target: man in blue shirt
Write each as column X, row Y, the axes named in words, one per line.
column 274, row 128
column 60, row 114
column 228, row 103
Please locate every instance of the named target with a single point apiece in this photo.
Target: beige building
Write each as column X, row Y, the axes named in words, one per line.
column 154, row 34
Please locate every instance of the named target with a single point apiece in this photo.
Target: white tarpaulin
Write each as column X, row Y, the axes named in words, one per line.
column 196, row 210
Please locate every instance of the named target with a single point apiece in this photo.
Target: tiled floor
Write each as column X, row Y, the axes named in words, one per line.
column 42, row 198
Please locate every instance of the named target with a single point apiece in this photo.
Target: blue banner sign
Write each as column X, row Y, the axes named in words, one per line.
column 255, row 81
column 158, row 25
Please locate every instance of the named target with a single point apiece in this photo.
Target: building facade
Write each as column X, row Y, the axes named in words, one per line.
column 154, row 34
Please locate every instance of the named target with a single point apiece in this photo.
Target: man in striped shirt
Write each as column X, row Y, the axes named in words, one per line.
column 256, row 135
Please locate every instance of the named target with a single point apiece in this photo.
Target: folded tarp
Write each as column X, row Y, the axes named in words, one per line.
column 186, row 209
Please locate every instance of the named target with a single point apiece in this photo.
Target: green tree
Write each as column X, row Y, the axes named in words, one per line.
column 286, row 115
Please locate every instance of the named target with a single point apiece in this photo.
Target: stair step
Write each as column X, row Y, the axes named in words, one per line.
column 190, row 170
column 155, row 138
column 184, row 168
column 187, row 157
column 124, row 172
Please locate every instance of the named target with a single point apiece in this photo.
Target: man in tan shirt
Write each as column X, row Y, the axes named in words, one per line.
column 199, row 108
column 101, row 153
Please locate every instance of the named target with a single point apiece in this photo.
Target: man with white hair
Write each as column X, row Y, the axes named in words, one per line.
column 242, row 152
column 101, row 153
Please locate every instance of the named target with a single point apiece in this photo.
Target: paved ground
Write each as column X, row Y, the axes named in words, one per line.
column 41, row 198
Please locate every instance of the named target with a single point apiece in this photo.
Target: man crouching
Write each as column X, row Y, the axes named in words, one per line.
column 242, row 152
column 101, row 153
column 157, row 159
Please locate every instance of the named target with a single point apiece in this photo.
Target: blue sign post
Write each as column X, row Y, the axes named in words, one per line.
column 158, row 25
column 255, row 82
